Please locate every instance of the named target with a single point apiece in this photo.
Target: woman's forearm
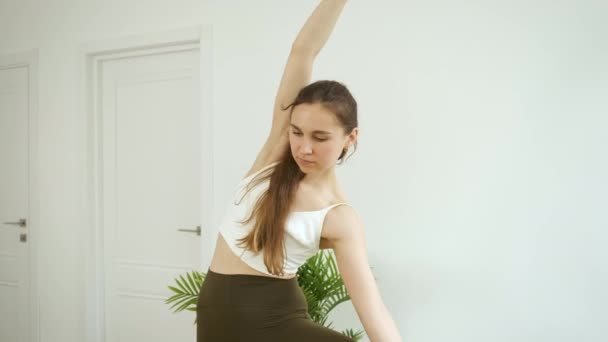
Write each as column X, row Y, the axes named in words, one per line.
column 380, row 326
column 390, row 333
column 318, row 27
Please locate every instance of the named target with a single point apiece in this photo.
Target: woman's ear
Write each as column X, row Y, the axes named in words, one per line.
column 354, row 135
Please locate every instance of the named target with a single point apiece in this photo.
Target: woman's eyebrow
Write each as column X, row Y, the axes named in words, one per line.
column 317, row 131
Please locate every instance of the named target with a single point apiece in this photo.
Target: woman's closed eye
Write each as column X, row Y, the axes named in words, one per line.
column 316, row 138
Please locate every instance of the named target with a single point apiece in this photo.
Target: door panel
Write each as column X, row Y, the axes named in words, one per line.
column 151, row 188
column 14, row 192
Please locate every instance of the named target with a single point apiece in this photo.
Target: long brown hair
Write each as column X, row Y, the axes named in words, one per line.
column 272, row 208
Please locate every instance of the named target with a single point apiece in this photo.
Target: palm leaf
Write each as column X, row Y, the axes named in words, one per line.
column 356, row 336
column 186, row 292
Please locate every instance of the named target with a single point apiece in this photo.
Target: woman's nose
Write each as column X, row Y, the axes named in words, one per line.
column 306, row 147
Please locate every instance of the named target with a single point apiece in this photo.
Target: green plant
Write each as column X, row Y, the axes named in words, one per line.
column 318, row 278
column 186, row 292
column 324, row 289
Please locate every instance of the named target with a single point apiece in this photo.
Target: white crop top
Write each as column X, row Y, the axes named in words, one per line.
column 302, row 231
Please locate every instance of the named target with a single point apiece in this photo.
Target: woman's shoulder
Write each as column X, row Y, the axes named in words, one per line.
column 341, row 221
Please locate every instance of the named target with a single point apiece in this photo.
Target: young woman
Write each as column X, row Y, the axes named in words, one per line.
column 288, row 206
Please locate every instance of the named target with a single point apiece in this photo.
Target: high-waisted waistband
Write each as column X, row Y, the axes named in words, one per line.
column 251, row 308
column 250, row 290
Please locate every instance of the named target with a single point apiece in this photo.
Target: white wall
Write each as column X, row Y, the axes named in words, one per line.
column 480, row 173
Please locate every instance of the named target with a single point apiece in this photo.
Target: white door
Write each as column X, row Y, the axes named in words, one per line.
column 149, row 110
column 14, row 189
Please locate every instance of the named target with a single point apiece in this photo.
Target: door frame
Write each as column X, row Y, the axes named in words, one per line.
column 29, row 59
column 90, row 55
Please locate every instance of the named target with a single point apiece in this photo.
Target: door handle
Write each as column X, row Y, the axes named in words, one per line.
column 22, row 222
column 197, row 230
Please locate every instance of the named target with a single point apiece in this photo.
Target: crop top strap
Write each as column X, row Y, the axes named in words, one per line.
column 335, row 205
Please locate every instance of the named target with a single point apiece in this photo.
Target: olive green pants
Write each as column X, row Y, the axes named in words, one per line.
column 240, row 307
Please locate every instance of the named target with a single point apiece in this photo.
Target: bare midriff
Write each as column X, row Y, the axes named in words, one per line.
column 224, row 261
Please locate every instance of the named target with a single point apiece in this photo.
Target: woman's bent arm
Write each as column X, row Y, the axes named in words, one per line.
column 309, row 41
column 317, row 29
column 296, row 75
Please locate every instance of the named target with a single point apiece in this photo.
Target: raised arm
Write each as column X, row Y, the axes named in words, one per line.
column 344, row 229
column 307, row 45
column 297, row 73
